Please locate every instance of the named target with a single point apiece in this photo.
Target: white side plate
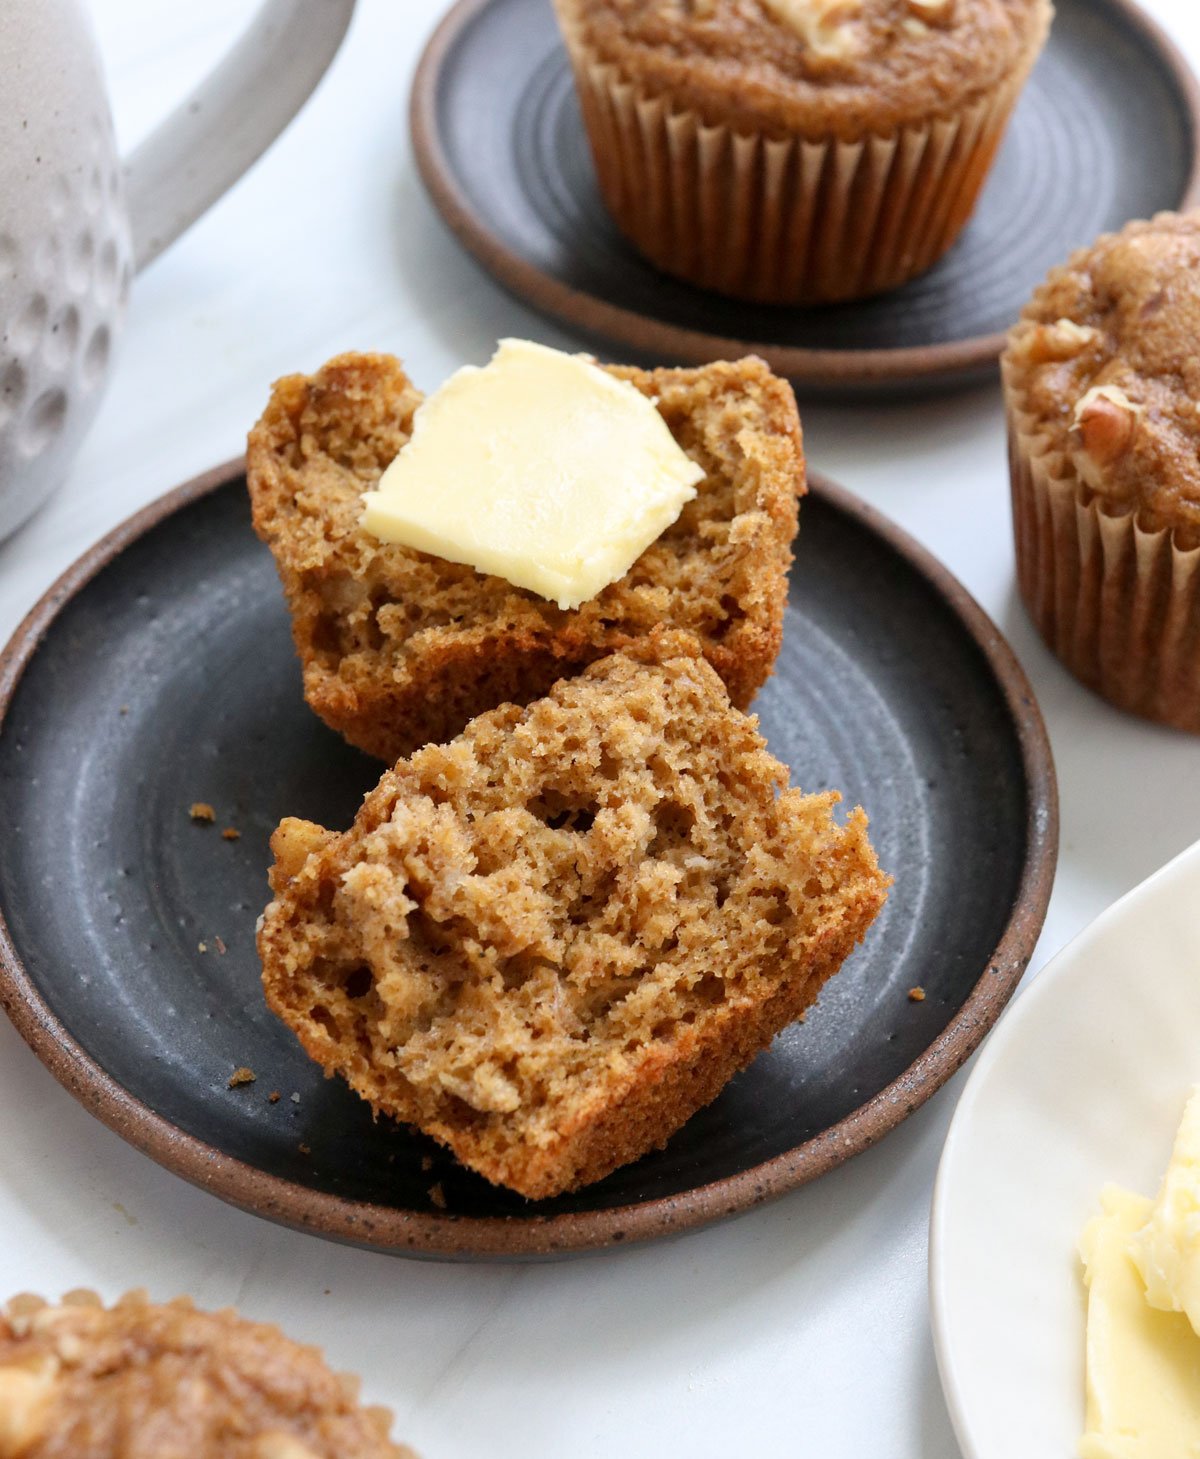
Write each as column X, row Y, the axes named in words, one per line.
column 1082, row 1083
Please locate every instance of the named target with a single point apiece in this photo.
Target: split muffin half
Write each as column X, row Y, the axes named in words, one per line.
column 550, row 941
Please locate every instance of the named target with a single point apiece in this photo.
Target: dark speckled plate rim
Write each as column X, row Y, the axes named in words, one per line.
column 432, row 1235
column 850, row 369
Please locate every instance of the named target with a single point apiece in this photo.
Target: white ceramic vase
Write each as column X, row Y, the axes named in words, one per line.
column 76, row 222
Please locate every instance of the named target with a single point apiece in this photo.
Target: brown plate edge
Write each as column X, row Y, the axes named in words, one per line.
column 847, row 368
column 423, row 1234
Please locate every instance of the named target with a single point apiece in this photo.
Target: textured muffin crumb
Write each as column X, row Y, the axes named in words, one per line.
column 550, row 941
column 400, row 647
column 145, row 1381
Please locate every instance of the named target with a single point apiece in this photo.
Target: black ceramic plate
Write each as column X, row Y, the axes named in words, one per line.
column 1107, row 130
column 160, row 672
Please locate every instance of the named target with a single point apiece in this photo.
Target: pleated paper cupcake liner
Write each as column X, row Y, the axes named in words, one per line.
column 1118, row 604
column 783, row 220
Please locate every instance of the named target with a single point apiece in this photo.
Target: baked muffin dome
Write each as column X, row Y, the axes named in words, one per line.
column 844, row 68
column 1106, row 360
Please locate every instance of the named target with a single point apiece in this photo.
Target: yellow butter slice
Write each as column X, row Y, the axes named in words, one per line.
column 1143, row 1365
column 1166, row 1250
column 540, row 468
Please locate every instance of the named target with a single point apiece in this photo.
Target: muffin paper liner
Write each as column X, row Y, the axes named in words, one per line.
column 1119, row 605
column 786, row 220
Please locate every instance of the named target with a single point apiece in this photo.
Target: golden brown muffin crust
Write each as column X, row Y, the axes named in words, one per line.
column 140, row 1381
column 400, row 647
column 1105, row 366
column 548, row 942
column 736, row 63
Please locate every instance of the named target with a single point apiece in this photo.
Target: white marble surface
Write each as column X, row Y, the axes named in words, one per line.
column 800, row 1329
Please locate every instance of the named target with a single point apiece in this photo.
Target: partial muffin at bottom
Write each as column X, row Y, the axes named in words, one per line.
column 552, row 940
column 146, row 1381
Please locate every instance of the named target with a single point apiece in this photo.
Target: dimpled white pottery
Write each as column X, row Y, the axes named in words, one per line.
column 75, row 222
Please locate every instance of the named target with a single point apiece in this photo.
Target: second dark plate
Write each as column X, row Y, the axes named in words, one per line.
column 160, row 672
column 1108, row 129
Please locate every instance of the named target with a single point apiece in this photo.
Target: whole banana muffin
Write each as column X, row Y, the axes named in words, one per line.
column 797, row 151
column 1102, row 385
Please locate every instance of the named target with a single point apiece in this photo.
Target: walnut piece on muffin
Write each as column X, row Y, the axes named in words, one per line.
column 552, row 940
column 1102, row 389
column 144, row 1381
column 400, row 647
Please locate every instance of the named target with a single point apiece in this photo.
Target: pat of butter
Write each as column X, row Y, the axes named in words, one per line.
column 1143, row 1365
column 540, row 468
column 1167, row 1249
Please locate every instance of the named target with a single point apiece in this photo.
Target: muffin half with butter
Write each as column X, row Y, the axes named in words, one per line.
column 441, row 557
column 797, row 151
column 1102, row 386
column 140, row 1380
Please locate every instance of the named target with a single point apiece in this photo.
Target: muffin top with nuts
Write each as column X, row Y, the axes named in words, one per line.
column 1105, row 364
column 821, row 67
column 138, row 1381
